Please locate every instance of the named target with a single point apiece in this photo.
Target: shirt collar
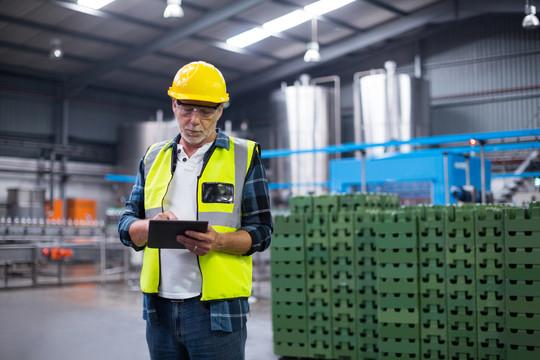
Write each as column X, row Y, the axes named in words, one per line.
column 222, row 140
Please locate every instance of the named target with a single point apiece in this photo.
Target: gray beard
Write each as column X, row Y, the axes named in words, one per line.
column 194, row 141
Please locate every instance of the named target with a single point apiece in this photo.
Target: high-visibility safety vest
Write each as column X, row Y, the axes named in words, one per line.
column 219, row 199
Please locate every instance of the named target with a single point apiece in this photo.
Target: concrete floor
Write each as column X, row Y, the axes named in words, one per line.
column 94, row 321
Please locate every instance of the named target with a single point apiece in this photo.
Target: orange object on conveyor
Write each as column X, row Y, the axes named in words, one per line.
column 81, row 209
column 56, row 253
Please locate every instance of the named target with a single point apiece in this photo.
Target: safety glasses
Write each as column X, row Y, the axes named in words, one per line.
column 205, row 112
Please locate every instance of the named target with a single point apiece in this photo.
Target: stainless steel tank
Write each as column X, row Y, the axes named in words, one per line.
column 135, row 138
column 304, row 117
column 390, row 106
column 26, row 203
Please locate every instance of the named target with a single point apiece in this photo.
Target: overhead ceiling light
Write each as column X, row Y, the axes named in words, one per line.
column 94, row 4
column 323, row 6
column 286, row 22
column 248, row 37
column 530, row 21
column 173, row 9
column 56, row 52
column 312, row 54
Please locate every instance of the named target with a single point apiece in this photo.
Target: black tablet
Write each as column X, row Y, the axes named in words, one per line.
column 162, row 233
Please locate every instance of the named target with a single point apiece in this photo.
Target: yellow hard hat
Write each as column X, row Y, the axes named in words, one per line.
column 199, row 81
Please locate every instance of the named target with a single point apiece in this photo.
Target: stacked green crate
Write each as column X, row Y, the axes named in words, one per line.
column 326, row 204
column 289, row 308
column 318, row 285
column 342, row 282
column 397, row 285
column 366, row 284
column 461, row 283
column 301, row 205
column 389, row 201
column 490, row 287
column 352, row 202
column 432, row 259
column 522, row 258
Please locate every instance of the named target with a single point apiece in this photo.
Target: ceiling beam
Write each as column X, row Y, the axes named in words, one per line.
column 354, row 43
column 440, row 12
column 101, row 13
column 78, row 83
column 325, row 18
column 44, row 53
column 387, row 7
column 224, row 46
column 58, row 30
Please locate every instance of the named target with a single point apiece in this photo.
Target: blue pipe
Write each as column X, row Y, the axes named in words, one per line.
column 431, row 140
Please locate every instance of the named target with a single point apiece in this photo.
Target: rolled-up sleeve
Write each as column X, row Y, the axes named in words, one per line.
column 256, row 215
column 134, row 209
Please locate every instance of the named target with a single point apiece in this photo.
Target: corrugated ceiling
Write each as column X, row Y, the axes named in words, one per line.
column 129, row 44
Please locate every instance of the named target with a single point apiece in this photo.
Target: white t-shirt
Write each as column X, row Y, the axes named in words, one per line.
column 180, row 272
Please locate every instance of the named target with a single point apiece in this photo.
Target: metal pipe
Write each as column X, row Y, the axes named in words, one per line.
column 467, row 169
column 417, row 61
column 64, row 173
column 357, row 105
column 51, row 185
column 64, row 135
column 482, row 172
column 486, row 92
column 363, row 185
column 392, row 125
column 337, row 105
column 446, row 180
column 356, row 112
column 63, row 181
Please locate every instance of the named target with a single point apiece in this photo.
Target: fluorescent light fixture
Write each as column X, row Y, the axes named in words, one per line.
column 94, row 4
column 248, row 37
column 324, row 6
column 173, row 9
column 287, row 21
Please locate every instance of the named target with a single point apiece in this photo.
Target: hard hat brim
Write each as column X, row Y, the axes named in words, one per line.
column 198, row 97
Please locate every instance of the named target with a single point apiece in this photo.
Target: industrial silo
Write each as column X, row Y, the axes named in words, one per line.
column 135, row 138
column 305, row 118
column 390, row 106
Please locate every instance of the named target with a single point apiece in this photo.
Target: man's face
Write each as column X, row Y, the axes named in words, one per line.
column 196, row 119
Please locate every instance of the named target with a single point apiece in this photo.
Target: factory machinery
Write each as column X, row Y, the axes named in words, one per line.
column 358, row 276
column 392, row 150
column 39, row 248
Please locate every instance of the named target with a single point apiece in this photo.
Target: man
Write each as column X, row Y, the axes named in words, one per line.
column 195, row 299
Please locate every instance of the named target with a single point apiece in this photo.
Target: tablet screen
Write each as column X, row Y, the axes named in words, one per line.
column 162, row 233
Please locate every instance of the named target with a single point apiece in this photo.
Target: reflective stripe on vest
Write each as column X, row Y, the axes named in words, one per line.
column 157, row 179
column 224, row 275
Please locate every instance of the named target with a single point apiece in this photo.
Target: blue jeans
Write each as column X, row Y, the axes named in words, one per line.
column 183, row 330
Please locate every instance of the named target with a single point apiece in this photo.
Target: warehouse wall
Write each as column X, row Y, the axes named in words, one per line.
column 484, row 76
column 32, row 109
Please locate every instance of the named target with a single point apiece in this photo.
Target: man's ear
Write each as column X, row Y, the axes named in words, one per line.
column 220, row 111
